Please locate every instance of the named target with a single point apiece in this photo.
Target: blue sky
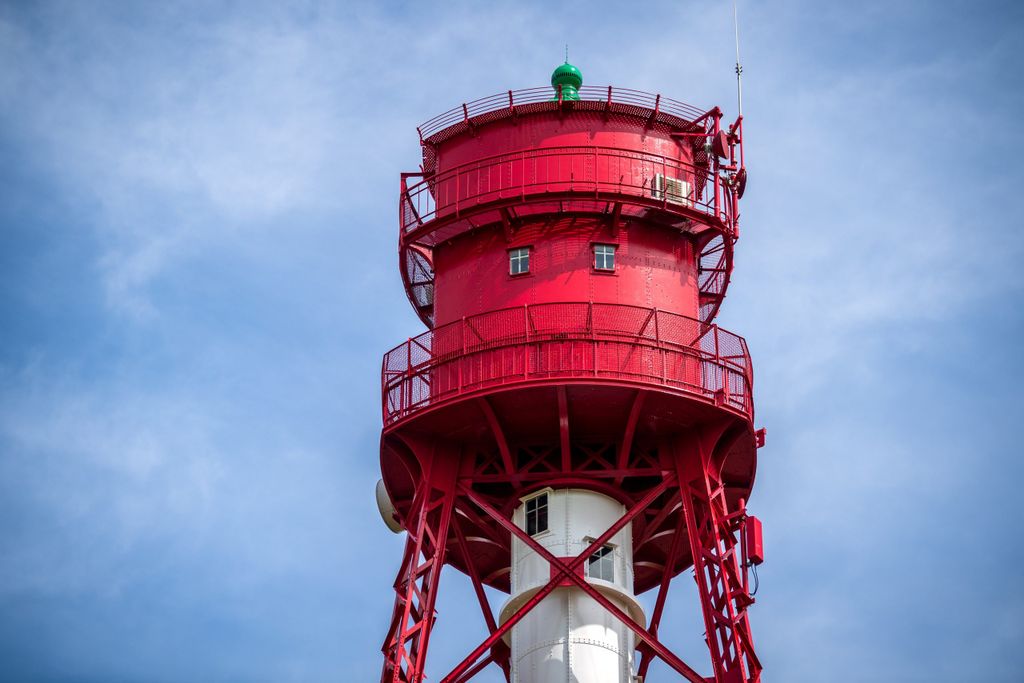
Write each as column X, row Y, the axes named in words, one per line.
column 198, row 251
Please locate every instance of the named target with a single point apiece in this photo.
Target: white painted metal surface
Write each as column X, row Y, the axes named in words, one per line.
column 568, row 637
column 386, row 507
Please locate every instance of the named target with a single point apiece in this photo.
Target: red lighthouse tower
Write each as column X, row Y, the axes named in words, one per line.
column 573, row 428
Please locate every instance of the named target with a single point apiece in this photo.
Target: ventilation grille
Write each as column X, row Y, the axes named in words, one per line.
column 672, row 189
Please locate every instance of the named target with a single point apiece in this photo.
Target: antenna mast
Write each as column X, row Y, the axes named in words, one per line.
column 739, row 65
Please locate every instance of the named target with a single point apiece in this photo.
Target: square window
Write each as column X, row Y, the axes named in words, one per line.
column 601, row 565
column 604, row 257
column 519, row 261
column 537, row 514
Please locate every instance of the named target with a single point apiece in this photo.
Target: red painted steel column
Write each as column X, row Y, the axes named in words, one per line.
column 405, row 648
column 713, row 545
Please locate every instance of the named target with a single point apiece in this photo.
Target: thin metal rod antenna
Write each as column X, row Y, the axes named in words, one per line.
column 739, row 65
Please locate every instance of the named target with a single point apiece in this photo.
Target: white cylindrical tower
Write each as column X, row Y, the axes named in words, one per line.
column 569, row 636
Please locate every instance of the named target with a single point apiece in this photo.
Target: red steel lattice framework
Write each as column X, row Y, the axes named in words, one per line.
column 649, row 406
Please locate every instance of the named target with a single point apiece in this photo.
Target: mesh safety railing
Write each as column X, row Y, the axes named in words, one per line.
column 654, row 179
column 528, row 96
column 567, row 341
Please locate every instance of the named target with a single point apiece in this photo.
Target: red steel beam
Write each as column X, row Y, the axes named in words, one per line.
column 557, row 575
column 480, row 666
column 567, row 571
column 485, row 605
column 563, row 428
column 651, row 527
column 581, row 475
column 627, row 435
column 561, row 570
column 498, row 432
column 666, row 579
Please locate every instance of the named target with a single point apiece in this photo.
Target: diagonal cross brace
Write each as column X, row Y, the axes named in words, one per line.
column 564, row 570
column 715, row 567
column 559, row 569
column 567, row 570
column 659, row 604
column 485, row 607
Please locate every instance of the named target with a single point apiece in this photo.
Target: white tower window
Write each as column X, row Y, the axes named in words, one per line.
column 537, row 514
column 601, row 565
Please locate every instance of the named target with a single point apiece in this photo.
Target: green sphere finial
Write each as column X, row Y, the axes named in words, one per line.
column 570, row 78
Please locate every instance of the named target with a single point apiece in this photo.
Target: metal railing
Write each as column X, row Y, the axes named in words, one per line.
column 598, row 172
column 512, row 99
column 544, row 342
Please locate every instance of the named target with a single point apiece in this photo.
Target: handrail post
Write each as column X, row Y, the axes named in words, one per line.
column 402, row 198
column 664, row 184
column 722, row 369
column 462, row 358
column 593, row 336
column 522, row 180
column 661, row 350
column 407, row 394
column 384, row 389
column 526, row 347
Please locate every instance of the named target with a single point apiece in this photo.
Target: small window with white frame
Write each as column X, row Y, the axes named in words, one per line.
column 537, row 514
column 601, row 565
column 519, row 261
column 604, row 257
